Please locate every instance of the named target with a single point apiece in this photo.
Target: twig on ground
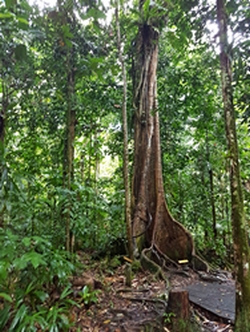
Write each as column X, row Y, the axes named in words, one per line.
column 129, row 290
column 144, row 299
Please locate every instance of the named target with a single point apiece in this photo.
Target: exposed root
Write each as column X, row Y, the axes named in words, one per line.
column 148, row 263
column 199, row 264
column 168, row 263
column 157, row 262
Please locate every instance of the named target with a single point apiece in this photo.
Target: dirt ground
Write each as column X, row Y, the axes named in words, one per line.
column 141, row 307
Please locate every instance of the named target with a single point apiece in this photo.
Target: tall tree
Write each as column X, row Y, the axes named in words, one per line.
column 64, row 21
column 241, row 249
column 153, row 225
column 125, row 138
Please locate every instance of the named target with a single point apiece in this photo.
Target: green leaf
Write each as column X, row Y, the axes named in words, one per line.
column 26, row 241
column 35, row 259
column 6, row 297
column 85, row 290
column 67, row 291
column 20, row 314
column 41, row 295
column 66, row 32
column 22, row 20
column 53, row 328
column 68, row 43
column 146, row 6
column 20, row 52
column 65, row 320
column 6, row 15
column 20, row 263
column 10, row 3
column 29, row 288
column 3, row 272
column 5, row 314
column 95, row 14
column 8, row 206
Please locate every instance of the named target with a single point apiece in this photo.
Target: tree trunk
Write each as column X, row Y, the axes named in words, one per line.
column 2, row 123
column 68, row 165
column 153, row 225
column 211, row 184
column 241, row 249
column 69, row 171
column 4, row 106
column 125, row 140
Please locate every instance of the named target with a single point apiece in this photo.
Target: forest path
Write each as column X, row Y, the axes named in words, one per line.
column 218, row 297
column 142, row 306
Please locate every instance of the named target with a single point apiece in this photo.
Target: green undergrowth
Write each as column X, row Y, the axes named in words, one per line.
column 35, row 292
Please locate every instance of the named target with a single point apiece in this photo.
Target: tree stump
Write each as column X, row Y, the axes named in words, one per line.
column 178, row 310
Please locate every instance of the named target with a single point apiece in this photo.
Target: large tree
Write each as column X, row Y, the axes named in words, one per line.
column 155, row 231
column 125, row 137
column 241, row 248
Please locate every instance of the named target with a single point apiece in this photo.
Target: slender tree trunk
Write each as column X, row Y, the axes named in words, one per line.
column 87, row 165
column 204, row 199
column 3, row 114
column 241, row 249
column 70, row 139
column 68, row 165
column 222, row 209
column 82, row 164
column 211, row 182
column 90, row 155
column 211, row 185
column 97, row 156
column 4, row 106
column 125, row 139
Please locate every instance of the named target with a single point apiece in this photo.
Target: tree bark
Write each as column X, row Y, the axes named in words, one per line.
column 125, row 140
column 241, row 249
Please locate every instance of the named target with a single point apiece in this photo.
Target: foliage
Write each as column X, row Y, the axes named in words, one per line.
column 29, row 269
column 167, row 316
column 88, row 296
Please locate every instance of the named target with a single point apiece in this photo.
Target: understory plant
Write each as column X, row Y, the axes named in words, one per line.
column 34, row 287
